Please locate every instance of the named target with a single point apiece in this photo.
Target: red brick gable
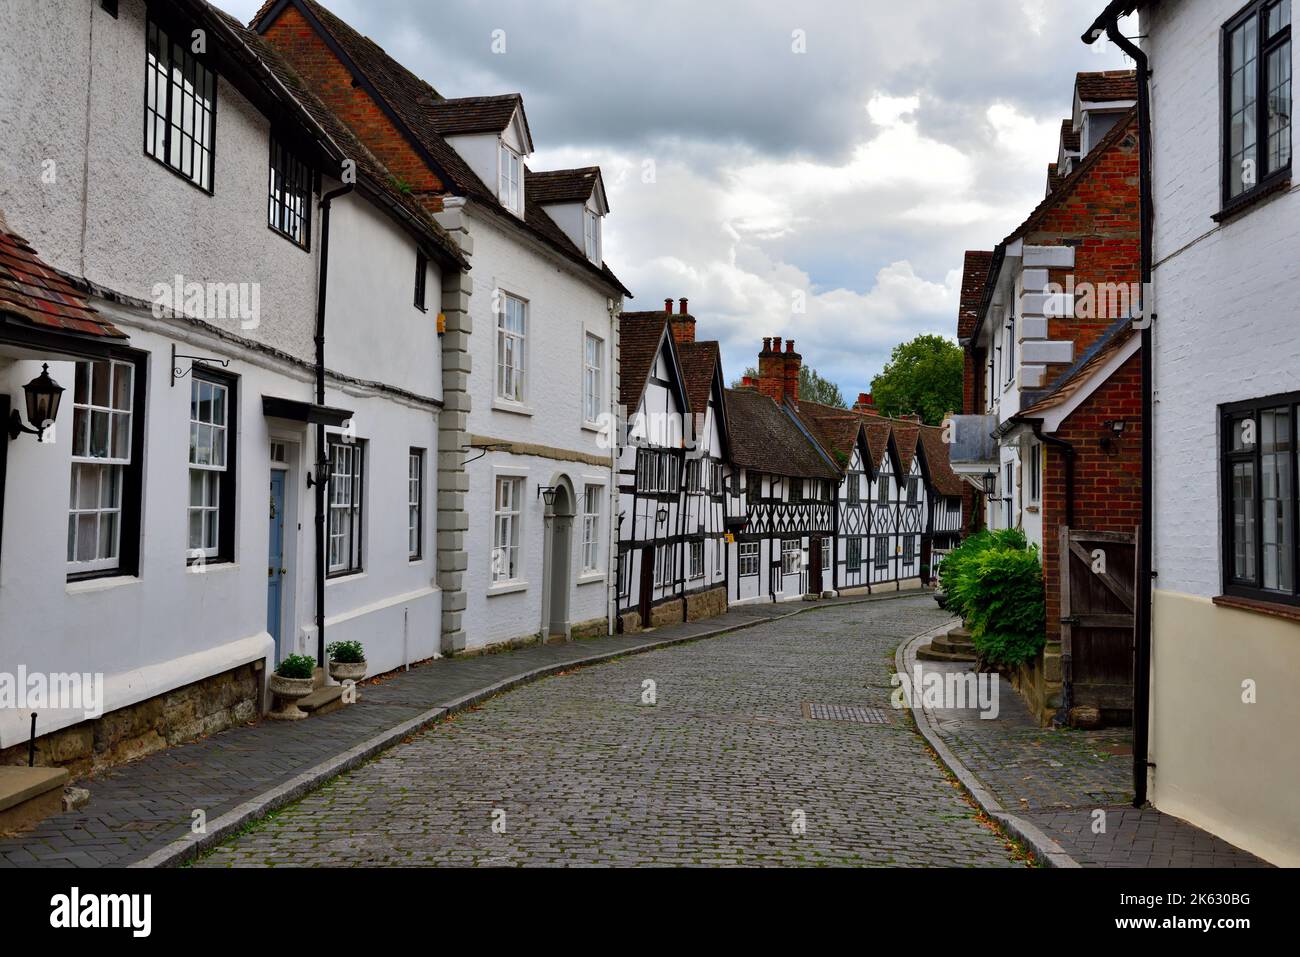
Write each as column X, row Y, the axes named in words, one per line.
column 333, row 83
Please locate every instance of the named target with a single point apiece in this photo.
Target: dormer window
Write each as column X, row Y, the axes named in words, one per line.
column 591, row 232
column 512, row 180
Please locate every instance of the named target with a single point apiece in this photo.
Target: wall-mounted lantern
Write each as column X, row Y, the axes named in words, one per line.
column 43, row 396
column 1115, row 431
column 548, row 493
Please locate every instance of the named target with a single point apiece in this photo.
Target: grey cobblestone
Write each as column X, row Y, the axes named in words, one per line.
column 711, row 775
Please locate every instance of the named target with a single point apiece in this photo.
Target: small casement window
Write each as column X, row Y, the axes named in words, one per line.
column 665, row 565
column 1260, row 500
column 346, row 495
column 421, row 278
column 645, row 470
column 826, row 553
column 694, row 476
column 511, row 191
column 415, row 504
column 591, row 499
column 1009, row 493
column 882, row 552
column 909, row 550
column 913, row 491
column 853, row 554
column 107, row 447
column 855, row 488
column 697, row 559
column 671, row 473
column 289, row 204
column 1035, row 473
column 210, row 514
column 748, row 559
column 791, row 556
column 507, row 513
column 1256, row 98
column 882, row 489
column 593, row 360
column 753, row 486
column 512, row 332
column 180, row 106
column 796, row 490
column 591, row 234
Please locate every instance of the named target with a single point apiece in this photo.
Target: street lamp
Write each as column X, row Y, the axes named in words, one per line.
column 43, row 395
column 548, row 493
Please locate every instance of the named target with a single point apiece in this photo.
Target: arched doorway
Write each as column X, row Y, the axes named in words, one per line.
column 559, row 560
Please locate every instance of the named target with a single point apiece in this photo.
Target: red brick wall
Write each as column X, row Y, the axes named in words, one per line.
column 330, row 80
column 1107, row 485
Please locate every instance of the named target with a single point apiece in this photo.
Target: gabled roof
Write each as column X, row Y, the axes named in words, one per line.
column 766, row 437
column 975, row 274
column 39, row 295
column 878, row 432
column 944, row 480
column 1053, row 177
column 1106, row 86
column 638, row 344
column 474, row 114
column 414, row 104
column 838, row 430
column 1070, row 137
column 906, row 436
column 700, row 362
column 563, row 185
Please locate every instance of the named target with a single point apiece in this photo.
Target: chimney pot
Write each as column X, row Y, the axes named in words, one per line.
column 789, row 345
column 776, row 343
column 682, row 304
column 767, row 344
column 668, row 306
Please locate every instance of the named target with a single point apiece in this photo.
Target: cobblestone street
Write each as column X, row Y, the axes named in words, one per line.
column 721, row 770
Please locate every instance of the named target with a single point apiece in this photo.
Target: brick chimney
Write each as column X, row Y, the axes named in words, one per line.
column 668, row 306
column 865, row 403
column 683, row 324
column 749, row 382
column 771, row 370
column 792, row 362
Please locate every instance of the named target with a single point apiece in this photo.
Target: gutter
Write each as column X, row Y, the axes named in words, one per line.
column 1109, row 22
column 322, row 461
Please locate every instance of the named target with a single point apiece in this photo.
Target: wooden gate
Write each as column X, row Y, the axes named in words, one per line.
column 1098, row 582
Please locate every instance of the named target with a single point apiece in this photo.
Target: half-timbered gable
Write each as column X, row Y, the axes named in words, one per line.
column 842, row 434
column 708, row 471
column 943, row 526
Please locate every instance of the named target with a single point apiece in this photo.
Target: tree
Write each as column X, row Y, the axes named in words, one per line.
column 812, row 387
column 924, row 376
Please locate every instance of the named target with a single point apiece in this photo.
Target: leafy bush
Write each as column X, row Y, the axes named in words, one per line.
column 347, row 652
column 297, row 666
column 993, row 580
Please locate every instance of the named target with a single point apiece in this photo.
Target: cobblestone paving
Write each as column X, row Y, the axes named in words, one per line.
column 717, row 772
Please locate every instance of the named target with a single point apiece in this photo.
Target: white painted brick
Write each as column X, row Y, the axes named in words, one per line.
column 1034, row 280
column 1033, row 376
column 1032, row 327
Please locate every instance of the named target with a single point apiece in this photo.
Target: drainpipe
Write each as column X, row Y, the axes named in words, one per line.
column 322, row 463
column 1142, row 612
column 1067, row 649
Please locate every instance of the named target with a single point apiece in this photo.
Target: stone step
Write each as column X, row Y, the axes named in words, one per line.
column 323, row 700
column 30, row 795
column 952, row 648
column 959, row 633
column 931, row 653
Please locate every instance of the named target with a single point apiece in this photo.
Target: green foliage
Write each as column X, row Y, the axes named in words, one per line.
column 812, row 387
column 347, row 652
column 297, row 666
column 995, row 582
column 924, row 376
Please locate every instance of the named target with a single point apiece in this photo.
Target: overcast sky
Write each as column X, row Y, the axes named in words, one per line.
column 854, row 173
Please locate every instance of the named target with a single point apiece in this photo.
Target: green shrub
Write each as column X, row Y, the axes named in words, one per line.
column 347, row 652
column 297, row 666
column 993, row 580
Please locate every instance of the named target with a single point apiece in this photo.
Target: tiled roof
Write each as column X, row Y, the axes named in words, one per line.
column 975, row 274
column 473, row 114
column 373, row 171
column 764, row 436
column 1106, row 86
column 699, row 361
column 1053, row 177
column 562, row 185
column 942, row 477
column 1070, row 137
column 638, row 342
column 415, row 102
column 836, row 429
column 906, row 435
column 878, row 432
column 35, row 293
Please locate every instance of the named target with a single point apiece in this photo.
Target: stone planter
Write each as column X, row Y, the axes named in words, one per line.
column 287, row 692
column 342, row 671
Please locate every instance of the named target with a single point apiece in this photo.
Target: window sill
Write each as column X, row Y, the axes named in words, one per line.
column 1259, row 607
column 506, row 588
column 90, row 585
column 1262, row 193
column 591, row 578
column 215, row 565
column 514, row 408
column 343, row 577
column 589, row 426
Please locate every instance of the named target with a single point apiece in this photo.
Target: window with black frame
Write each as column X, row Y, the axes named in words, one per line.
column 1256, row 99
column 1259, row 499
column 346, row 496
column 289, row 202
column 180, row 105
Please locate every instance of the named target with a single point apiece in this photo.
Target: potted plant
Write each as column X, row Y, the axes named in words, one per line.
column 347, row 660
column 292, row 680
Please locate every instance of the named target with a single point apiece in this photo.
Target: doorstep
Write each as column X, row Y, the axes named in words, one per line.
column 29, row 795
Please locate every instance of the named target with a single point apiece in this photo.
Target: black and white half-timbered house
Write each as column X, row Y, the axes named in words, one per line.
column 673, row 470
column 898, row 509
column 943, row 526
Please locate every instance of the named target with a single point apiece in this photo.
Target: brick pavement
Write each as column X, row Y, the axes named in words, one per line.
column 1058, row 779
column 580, row 772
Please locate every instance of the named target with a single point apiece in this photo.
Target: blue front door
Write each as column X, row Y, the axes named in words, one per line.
column 275, row 561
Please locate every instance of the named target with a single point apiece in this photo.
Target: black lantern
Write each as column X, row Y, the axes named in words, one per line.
column 548, row 493
column 43, row 395
column 990, row 483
